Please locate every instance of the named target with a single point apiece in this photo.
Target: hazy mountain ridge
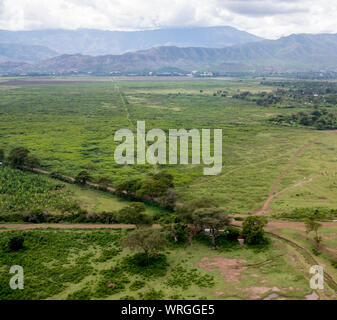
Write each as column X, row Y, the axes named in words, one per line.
column 24, row 53
column 303, row 52
column 99, row 42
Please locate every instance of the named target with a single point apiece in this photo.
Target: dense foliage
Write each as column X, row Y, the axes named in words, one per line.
column 23, row 192
column 320, row 119
column 252, row 229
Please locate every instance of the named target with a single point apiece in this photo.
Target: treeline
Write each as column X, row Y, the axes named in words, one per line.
column 158, row 188
column 319, row 119
column 291, row 94
column 135, row 213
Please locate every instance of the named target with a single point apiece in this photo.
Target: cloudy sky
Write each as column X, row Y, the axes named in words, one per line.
column 266, row 18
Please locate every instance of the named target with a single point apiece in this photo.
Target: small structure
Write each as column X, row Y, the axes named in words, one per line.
column 241, row 239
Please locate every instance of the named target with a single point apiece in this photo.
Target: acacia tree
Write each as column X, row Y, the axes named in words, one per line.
column 252, row 229
column 148, row 240
column 19, row 157
column 135, row 214
column 185, row 214
column 212, row 219
column 312, row 226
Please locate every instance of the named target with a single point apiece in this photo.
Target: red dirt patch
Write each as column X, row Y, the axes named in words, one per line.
column 230, row 268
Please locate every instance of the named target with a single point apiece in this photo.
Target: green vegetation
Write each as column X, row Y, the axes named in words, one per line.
column 252, row 230
column 19, row 157
column 84, row 264
column 320, row 119
column 23, row 192
column 70, row 128
column 147, row 240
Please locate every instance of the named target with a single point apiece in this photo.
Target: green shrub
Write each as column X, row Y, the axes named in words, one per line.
column 184, row 278
column 137, row 264
column 127, row 298
column 138, row 284
column 153, row 295
column 108, row 254
column 112, row 281
column 82, row 294
column 252, row 229
column 35, row 216
column 16, row 243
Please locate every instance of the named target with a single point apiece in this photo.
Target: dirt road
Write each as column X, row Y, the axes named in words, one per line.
column 9, row 227
column 271, row 226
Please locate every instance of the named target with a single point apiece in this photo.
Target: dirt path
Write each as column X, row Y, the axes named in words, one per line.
column 274, row 225
column 308, row 258
column 11, row 227
column 272, row 195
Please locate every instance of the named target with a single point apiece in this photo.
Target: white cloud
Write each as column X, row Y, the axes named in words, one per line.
column 267, row 18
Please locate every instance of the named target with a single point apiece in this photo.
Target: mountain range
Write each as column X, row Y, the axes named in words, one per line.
column 294, row 53
column 16, row 52
column 100, row 42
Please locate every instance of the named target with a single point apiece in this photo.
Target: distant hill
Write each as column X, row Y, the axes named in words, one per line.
column 24, row 53
column 99, row 42
column 303, row 52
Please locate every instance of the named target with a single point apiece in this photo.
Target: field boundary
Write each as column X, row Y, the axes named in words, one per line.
column 307, row 257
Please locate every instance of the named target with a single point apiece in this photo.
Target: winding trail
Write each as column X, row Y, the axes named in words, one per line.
column 272, row 193
column 311, row 261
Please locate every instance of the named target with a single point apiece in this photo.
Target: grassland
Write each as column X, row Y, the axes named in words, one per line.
column 78, row 264
column 71, row 127
column 23, row 192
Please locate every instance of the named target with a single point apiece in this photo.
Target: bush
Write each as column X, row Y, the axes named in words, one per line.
column 82, row 294
column 16, row 243
column 180, row 232
column 181, row 277
column 138, row 284
column 35, row 216
column 82, row 177
column 137, row 264
column 252, row 229
column 153, row 295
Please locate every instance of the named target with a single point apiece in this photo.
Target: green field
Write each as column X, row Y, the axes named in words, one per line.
column 279, row 160
column 79, row 264
column 71, row 127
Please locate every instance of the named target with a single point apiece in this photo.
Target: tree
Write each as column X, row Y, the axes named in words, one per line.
column 32, row 162
column 312, row 226
column 176, row 227
column 156, row 185
column 212, row 219
column 135, row 214
column 169, row 199
column 18, row 156
column 2, row 154
column 16, row 243
column 185, row 215
column 148, row 240
column 104, row 183
column 252, row 229
column 82, row 177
